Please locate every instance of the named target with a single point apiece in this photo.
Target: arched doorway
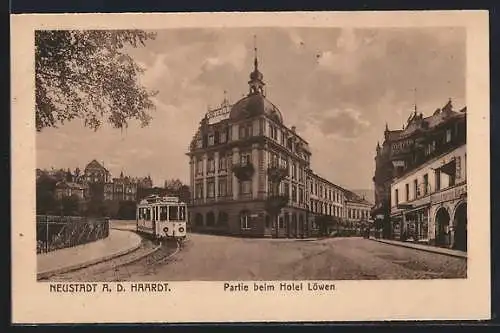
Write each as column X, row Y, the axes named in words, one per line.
column 460, row 223
column 442, row 224
column 198, row 220
column 222, row 219
column 210, row 219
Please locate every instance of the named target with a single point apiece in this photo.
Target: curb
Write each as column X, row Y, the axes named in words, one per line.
column 46, row 274
column 430, row 250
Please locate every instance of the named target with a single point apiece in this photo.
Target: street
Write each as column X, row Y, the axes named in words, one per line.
column 219, row 258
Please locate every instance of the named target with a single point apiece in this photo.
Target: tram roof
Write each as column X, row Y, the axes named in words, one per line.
column 160, row 200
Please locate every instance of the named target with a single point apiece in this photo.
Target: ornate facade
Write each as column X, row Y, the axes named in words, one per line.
column 422, row 194
column 250, row 173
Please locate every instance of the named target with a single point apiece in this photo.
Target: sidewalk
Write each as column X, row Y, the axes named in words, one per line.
column 116, row 244
column 422, row 247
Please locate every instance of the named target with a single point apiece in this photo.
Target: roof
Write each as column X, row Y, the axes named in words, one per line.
column 95, row 165
column 64, row 184
column 418, row 123
column 254, row 105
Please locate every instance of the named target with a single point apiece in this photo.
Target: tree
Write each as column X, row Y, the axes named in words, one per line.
column 69, row 176
column 86, row 74
column 45, row 192
column 70, row 205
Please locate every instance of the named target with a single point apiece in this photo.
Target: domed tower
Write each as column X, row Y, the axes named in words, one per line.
column 256, row 83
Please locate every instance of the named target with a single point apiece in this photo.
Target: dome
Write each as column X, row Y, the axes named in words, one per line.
column 254, row 105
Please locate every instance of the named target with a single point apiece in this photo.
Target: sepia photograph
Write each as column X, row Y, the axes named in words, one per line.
column 261, row 158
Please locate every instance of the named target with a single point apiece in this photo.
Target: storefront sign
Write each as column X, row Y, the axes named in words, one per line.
column 453, row 193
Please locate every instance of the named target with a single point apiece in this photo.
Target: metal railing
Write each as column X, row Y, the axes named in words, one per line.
column 59, row 232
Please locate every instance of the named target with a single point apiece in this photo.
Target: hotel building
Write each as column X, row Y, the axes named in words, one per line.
column 250, row 173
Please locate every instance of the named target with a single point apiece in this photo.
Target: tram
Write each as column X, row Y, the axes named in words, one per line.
column 162, row 217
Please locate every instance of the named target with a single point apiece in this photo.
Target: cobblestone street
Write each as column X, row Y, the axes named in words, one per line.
column 218, row 258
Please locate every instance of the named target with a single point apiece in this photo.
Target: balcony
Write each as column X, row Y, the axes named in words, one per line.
column 277, row 173
column 274, row 203
column 243, row 172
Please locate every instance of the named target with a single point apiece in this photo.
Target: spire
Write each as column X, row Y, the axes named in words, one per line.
column 386, row 127
column 415, row 100
column 256, row 83
column 255, row 61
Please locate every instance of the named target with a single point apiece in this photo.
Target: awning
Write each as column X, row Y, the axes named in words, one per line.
column 449, row 167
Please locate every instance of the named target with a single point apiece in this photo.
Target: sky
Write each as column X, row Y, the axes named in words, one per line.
column 338, row 86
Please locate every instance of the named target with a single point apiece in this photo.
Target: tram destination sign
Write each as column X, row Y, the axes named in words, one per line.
column 453, row 193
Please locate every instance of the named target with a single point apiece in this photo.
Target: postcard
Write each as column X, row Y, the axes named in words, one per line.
column 250, row 167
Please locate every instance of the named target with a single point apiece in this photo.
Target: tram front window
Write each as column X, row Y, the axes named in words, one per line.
column 182, row 213
column 173, row 213
column 163, row 213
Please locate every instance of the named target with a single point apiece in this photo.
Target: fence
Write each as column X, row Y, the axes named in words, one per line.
column 58, row 232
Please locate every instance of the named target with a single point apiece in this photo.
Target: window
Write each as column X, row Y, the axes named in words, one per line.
column 426, row 184
column 182, row 213
column 210, row 189
column 407, row 192
column 294, row 193
column 222, row 187
column 223, row 137
column 448, row 135
column 246, row 187
column 211, row 140
column 163, row 213
column 262, row 125
column 416, row 193
column 222, row 163
column 199, row 190
column 282, row 138
column 286, row 188
column 245, row 221
column 438, row 179
column 301, row 195
column 249, row 130
column 396, row 196
column 199, row 167
column 211, row 165
column 173, row 213
column 294, row 171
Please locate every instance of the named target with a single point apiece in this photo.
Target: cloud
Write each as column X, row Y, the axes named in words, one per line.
column 342, row 124
column 338, row 86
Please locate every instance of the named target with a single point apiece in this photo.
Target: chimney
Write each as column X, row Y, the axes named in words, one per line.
column 293, row 129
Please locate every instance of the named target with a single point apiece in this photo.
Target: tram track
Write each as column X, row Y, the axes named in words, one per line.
column 142, row 260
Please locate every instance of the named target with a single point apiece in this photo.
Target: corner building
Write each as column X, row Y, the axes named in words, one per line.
column 249, row 171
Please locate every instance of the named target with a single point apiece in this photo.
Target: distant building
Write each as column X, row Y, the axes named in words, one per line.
column 67, row 189
column 325, row 198
column 95, row 172
column 357, row 210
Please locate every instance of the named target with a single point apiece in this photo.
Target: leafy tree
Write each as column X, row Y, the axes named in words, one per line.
column 45, row 194
column 86, row 74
